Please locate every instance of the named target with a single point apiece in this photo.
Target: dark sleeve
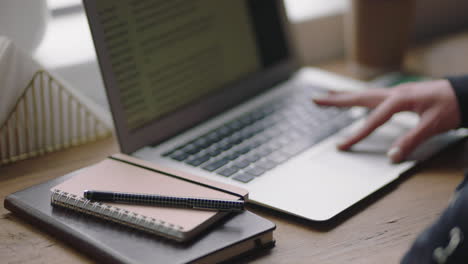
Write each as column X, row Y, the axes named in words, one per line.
column 446, row 241
column 460, row 86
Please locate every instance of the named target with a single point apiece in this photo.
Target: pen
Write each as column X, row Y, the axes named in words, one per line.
column 170, row 201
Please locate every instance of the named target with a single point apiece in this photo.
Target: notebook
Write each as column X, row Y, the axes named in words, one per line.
column 213, row 88
column 120, row 173
column 233, row 236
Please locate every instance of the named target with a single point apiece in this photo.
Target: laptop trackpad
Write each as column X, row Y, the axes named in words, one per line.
column 382, row 139
column 324, row 181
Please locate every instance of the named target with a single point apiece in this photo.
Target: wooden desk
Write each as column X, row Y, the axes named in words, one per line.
column 376, row 230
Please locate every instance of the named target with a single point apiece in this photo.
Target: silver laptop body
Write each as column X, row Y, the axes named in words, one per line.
column 212, row 87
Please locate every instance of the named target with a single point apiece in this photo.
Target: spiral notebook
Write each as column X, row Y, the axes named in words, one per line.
column 233, row 236
column 121, row 173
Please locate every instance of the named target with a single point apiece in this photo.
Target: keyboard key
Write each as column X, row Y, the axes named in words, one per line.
column 285, row 140
column 214, row 152
column 244, row 150
column 247, row 133
column 235, row 125
column 246, row 120
column 265, row 151
column 233, row 156
column 202, row 143
column 278, row 157
column 214, row 137
column 274, row 145
column 224, row 145
column 243, row 177
column 236, row 139
column 216, row 165
column 242, row 164
column 198, row 160
column 253, row 157
column 342, row 121
column 179, row 155
column 277, row 131
column 228, row 171
column 268, row 123
column 255, row 144
column 266, row 164
column 168, row 153
column 258, row 114
column 295, row 135
column 255, row 171
column 268, row 109
column 262, row 139
column 191, row 149
column 224, row 131
column 295, row 148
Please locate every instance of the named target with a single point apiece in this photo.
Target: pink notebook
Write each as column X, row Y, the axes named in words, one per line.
column 122, row 173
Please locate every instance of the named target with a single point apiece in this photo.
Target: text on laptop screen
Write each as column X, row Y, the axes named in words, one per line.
column 167, row 54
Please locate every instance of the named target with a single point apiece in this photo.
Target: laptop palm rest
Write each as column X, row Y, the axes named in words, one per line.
column 325, row 181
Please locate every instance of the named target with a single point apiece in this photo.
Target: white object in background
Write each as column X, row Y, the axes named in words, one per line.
column 24, row 21
column 16, row 70
column 67, row 41
column 38, row 113
column 303, row 10
column 58, row 4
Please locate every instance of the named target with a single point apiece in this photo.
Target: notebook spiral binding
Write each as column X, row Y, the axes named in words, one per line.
column 117, row 215
column 47, row 117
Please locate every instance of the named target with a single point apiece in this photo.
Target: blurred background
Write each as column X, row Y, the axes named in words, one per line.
column 318, row 28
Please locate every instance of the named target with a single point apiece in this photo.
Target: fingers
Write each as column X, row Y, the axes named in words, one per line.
column 370, row 98
column 408, row 143
column 378, row 117
column 436, row 113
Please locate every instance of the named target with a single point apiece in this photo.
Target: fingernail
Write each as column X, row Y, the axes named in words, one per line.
column 394, row 154
column 341, row 144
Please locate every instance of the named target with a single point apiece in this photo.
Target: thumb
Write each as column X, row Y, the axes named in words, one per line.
column 406, row 144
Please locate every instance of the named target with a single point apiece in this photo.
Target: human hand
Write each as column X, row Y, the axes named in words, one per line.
column 433, row 101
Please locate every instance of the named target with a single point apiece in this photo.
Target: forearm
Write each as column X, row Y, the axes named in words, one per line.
column 460, row 86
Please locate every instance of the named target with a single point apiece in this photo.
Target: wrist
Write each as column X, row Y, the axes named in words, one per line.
column 459, row 85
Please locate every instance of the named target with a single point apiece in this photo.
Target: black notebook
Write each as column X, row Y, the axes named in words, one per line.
column 235, row 235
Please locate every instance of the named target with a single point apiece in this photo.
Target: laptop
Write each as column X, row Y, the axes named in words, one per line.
column 213, row 88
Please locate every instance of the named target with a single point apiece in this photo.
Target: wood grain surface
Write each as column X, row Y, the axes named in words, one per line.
column 376, row 230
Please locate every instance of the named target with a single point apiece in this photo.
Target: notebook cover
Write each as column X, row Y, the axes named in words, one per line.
column 113, row 243
column 119, row 176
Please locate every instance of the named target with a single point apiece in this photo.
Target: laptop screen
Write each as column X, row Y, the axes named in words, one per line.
column 161, row 58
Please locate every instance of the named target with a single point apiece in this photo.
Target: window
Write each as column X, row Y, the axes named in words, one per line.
column 310, row 18
column 317, row 27
column 60, row 4
column 301, row 10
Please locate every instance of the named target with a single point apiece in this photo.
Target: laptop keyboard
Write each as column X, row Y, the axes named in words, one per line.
column 260, row 140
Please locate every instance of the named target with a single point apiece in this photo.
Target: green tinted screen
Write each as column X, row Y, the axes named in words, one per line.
column 167, row 54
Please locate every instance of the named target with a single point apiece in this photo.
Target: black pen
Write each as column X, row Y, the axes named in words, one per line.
column 169, row 201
